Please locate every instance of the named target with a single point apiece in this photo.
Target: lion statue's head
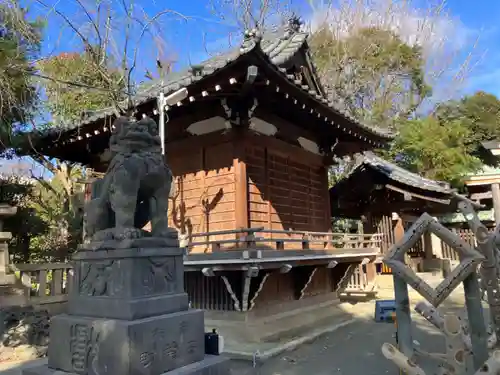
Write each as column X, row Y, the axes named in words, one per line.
column 130, row 135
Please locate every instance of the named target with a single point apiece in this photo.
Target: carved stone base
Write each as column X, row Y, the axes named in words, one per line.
column 210, row 365
column 128, row 315
column 128, row 283
column 145, row 346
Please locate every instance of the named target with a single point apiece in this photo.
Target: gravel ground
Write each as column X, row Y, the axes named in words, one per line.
column 353, row 349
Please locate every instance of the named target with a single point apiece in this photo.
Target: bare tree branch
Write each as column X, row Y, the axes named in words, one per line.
column 339, row 30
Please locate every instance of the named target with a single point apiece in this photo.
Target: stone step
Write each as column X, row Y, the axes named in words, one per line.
column 279, row 326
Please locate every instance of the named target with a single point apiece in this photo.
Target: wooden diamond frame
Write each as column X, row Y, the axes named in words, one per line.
column 469, row 259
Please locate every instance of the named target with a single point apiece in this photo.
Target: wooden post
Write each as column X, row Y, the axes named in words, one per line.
column 371, row 273
column 403, row 317
column 428, row 251
column 328, row 204
column 495, row 193
column 399, row 230
column 240, row 189
column 371, row 268
column 477, row 325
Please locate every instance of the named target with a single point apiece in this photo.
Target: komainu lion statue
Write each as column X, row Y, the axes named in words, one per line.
column 135, row 188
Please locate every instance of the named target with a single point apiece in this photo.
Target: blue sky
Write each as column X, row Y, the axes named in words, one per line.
column 480, row 17
column 187, row 40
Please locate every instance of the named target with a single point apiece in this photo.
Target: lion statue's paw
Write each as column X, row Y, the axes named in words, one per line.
column 128, row 233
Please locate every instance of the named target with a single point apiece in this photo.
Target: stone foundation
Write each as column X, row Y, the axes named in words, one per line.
column 285, row 320
column 128, row 315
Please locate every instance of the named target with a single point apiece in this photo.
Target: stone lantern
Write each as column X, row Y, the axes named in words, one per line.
column 6, row 211
column 10, row 293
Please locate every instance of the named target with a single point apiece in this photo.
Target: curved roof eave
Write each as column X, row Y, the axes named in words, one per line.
column 277, row 47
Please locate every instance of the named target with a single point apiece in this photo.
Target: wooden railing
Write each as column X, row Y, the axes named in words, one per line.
column 260, row 238
column 44, row 283
column 47, row 283
column 466, row 235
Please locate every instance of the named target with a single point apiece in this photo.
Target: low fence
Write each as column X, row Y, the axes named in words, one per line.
column 359, row 282
column 49, row 283
column 45, row 283
column 260, row 238
column 466, row 235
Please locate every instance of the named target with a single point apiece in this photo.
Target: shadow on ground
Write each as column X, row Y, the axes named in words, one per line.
column 352, row 349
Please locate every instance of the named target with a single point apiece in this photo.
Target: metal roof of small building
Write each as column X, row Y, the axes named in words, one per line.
column 351, row 196
column 396, row 173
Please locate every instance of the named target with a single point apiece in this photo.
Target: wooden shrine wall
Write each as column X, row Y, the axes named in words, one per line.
column 284, row 191
column 204, row 199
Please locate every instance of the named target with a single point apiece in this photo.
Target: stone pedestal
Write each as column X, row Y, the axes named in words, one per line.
column 128, row 315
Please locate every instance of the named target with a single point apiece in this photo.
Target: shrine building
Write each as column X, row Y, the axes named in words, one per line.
column 250, row 148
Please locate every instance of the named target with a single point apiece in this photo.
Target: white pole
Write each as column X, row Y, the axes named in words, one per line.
column 163, row 101
column 161, row 125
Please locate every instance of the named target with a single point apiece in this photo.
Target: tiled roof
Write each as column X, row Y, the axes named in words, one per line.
column 396, row 173
column 279, row 46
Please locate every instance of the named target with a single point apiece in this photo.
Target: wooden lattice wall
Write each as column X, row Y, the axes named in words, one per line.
column 205, row 189
column 285, row 193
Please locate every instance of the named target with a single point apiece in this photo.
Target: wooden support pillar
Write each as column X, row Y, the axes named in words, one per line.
column 428, row 251
column 371, row 273
column 240, row 188
column 399, row 230
column 495, row 193
column 371, row 268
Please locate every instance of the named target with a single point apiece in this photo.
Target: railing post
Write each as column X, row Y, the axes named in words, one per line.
column 69, row 280
column 280, row 245
column 42, row 280
column 250, row 240
column 305, row 242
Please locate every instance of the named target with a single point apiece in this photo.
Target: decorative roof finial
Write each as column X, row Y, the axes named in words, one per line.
column 254, row 34
column 294, row 23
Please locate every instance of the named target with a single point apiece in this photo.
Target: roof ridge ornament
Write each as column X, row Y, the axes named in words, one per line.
column 196, row 70
column 294, row 23
column 253, row 34
column 251, row 39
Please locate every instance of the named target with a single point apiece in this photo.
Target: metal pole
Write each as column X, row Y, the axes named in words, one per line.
column 477, row 326
column 161, row 125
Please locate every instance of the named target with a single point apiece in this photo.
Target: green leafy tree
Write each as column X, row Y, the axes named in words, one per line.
column 26, row 225
column 372, row 73
column 439, row 151
column 92, row 89
column 19, row 45
column 62, row 210
column 480, row 113
column 60, row 199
